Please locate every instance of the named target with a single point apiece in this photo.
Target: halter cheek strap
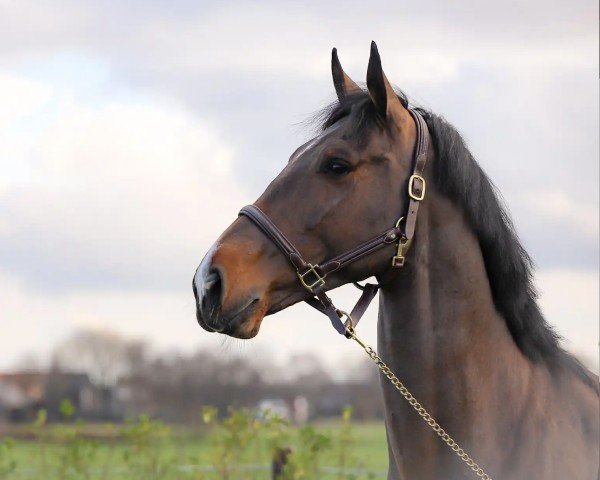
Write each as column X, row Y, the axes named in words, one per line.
column 312, row 277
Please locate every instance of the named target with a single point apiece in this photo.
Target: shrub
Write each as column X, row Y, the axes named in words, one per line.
column 241, row 445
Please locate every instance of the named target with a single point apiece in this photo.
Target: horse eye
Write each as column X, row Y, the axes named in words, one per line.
column 336, row 167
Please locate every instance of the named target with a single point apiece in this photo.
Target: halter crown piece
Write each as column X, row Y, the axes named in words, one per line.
column 312, row 277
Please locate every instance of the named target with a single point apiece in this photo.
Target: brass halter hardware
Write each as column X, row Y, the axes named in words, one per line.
column 399, row 259
column 319, row 280
column 403, row 246
column 348, row 322
column 413, row 193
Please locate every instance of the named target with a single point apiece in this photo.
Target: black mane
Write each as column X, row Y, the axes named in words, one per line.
column 509, row 268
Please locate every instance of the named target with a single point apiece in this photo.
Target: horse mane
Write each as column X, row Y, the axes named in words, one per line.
column 509, row 267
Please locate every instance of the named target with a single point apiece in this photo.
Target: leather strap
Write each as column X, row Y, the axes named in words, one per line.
column 262, row 221
column 312, row 277
column 325, row 305
column 265, row 224
column 416, row 186
column 363, row 250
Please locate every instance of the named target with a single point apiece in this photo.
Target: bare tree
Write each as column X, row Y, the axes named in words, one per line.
column 104, row 355
column 175, row 385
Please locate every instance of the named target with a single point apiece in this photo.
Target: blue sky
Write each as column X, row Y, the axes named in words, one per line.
column 131, row 132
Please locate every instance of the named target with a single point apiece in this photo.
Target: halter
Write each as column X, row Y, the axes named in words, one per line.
column 312, row 277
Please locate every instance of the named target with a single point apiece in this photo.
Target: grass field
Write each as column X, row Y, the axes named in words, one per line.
column 146, row 450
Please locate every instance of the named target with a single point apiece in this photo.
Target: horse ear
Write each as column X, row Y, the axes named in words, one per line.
column 381, row 92
column 343, row 83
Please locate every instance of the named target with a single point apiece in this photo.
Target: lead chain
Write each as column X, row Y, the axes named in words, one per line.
column 424, row 414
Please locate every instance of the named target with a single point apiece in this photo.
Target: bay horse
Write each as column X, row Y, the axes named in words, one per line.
column 459, row 323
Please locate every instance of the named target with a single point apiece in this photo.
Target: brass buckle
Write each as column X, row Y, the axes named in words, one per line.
column 411, row 186
column 319, row 280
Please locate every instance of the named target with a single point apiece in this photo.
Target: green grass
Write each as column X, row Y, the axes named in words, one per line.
column 101, row 452
column 371, row 444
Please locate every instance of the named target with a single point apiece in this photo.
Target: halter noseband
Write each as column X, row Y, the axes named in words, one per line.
column 312, row 277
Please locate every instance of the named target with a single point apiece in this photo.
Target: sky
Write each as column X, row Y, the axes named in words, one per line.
column 132, row 132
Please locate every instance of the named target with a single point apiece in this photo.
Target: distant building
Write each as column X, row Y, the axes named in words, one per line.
column 22, row 394
column 134, row 397
column 275, row 406
column 301, row 410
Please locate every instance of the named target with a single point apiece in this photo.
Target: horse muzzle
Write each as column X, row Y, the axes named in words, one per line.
column 226, row 302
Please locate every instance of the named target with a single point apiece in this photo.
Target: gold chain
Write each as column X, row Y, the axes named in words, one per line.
column 424, row 414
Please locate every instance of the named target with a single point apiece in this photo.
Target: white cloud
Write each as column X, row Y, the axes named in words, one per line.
column 20, row 97
column 556, row 204
column 20, row 100
column 35, row 322
column 256, row 39
column 431, row 43
column 119, row 189
column 569, row 300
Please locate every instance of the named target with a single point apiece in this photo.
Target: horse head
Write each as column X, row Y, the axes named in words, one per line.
column 335, row 191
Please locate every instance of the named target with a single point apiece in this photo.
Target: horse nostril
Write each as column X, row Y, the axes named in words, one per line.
column 211, row 295
column 211, row 280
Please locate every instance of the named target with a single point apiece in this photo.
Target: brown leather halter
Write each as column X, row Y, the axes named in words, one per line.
column 312, row 277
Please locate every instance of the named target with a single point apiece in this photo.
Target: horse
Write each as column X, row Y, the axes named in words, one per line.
column 458, row 321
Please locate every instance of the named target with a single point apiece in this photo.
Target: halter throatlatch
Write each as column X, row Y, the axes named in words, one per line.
column 312, row 276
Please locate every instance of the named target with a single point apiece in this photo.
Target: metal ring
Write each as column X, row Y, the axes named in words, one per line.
column 348, row 322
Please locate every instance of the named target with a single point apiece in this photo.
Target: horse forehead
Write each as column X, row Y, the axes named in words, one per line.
column 315, row 141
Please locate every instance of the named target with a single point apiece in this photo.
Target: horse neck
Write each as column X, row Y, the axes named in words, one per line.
column 440, row 333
